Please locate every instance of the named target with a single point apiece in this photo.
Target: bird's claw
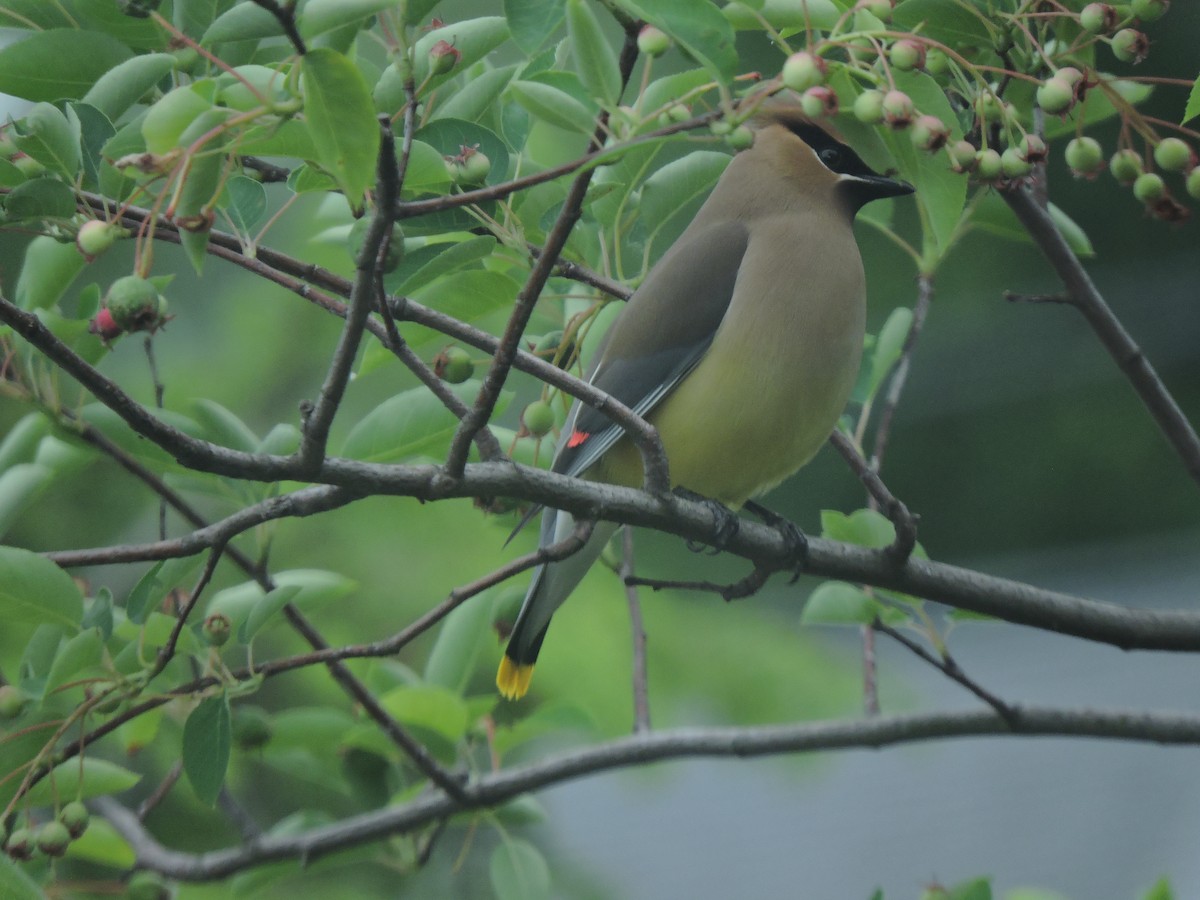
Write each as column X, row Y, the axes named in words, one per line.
column 726, row 520
column 795, row 539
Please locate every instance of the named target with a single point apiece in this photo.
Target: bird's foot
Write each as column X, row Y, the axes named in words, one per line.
column 794, row 538
column 726, row 520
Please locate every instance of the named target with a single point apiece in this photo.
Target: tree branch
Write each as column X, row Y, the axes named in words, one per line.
column 646, row 747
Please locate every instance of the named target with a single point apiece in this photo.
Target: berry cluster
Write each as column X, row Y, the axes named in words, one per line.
column 1045, row 54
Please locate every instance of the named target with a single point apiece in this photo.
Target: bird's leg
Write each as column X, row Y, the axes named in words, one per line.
column 726, row 520
column 797, row 542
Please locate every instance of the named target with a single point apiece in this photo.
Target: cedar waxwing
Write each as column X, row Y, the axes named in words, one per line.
column 741, row 346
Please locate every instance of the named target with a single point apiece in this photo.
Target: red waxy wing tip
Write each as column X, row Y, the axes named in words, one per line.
column 577, row 438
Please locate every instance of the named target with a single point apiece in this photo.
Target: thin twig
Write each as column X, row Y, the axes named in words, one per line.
column 890, row 505
column 641, row 694
column 286, row 16
column 883, row 430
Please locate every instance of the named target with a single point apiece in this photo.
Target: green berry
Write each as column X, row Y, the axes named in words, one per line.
column 678, row 112
column 358, row 236
column 1013, row 165
column 990, row 108
column 868, row 107
column 217, row 628
column 53, row 839
column 898, row 109
column 1193, row 183
column 880, row 9
column 252, row 727
column 1055, row 96
column 721, row 127
column 988, row 165
column 1125, row 166
column 803, row 70
column 907, row 54
column 20, row 844
column 135, row 304
column 12, row 702
column 95, row 237
column 962, row 155
column 1070, row 75
column 1033, row 149
column 1149, row 187
column 147, row 885
column 741, row 138
column 1173, row 155
column 929, row 133
column 936, row 62
column 1150, row 10
column 75, row 817
column 652, row 41
column 470, row 167
column 819, row 102
column 1130, row 45
column 1098, row 18
column 453, row 365
column 1085, row 156
column 538, row 418
column 443, row 57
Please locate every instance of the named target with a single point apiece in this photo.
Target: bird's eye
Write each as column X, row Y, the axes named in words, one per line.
column 832, row 157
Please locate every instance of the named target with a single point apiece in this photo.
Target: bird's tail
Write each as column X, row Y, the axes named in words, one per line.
column 551, row 585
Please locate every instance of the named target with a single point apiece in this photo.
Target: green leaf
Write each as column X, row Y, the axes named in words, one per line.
column 1097, row 107
column 244, row 22
column 223, row 427
column 61, row 63
column 271, row 603
column 40, row 198
column 316, row 587
column 672, row 189
column 949, row 21
column 864, row 527
column 166, row 121
column 430, row 707
column 15, row 884
column 22, row 439
column 781, row 14
column 519, row 871
column 124, row 85
column 95, row 131
column 100, row 777
column 467, row 296
column 975, row 889
column 101, row 844
column 1075, row 236
column 889, row 345
column 426, row 173
column 477, row 97
column 320, row 16
column 35, row 591
column 451, row 258
column 411, row 424
column 473, row 38
column 244, row 201
column 99, row 614
column 49, row 137
column 550, row 104
column 595, row 60
column 531, row 22
column 839, row 603
column 152, row 587
column 459, row 641
column 1160, row 891
column 207, row 742
column 1193, row 104
column 83, row 651
column 698, row 27
column 448, row 136
column 201, row 186
column 341, row 120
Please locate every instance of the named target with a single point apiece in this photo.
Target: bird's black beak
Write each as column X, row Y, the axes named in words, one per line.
column 863, row 187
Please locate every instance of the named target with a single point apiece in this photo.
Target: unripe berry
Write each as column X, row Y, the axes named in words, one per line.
column 443, row 57
column 75, row 817
column 1125, row 166
column 20, row 844
column 936, row 62
column 252, row 727
column 907, row 54
column 898, row 109
column 741, row 138
column 135, row 304
column 868, row 107
column 1130, row 45
column 1150, row 10
column 1174, row 155
column 987, row 165
column 217, row 628
column 1070, row 75
column 1085, row 156
column 721, row 127
column 819, row 102
column 990, row 108
column 880, row 9
column 1193, row 183
column 12, row 702
column 1149, row 187
column 803, row 70
column 453, row 365
column 1098, row 18
column 1055, row 96
column 53, row 839
column 652, row 41
column 538, row 418
column 678, row 112
column 1033, row 149
column 469, row 167
column 104, row 326
column 929, row 133
column 962, row 155
column 1013, row 165
column 147, row 885
column 95, row 237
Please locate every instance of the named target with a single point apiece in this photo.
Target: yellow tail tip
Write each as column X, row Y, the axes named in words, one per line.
column 513, row 678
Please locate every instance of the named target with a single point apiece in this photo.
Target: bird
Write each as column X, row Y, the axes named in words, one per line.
column 741, row 346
